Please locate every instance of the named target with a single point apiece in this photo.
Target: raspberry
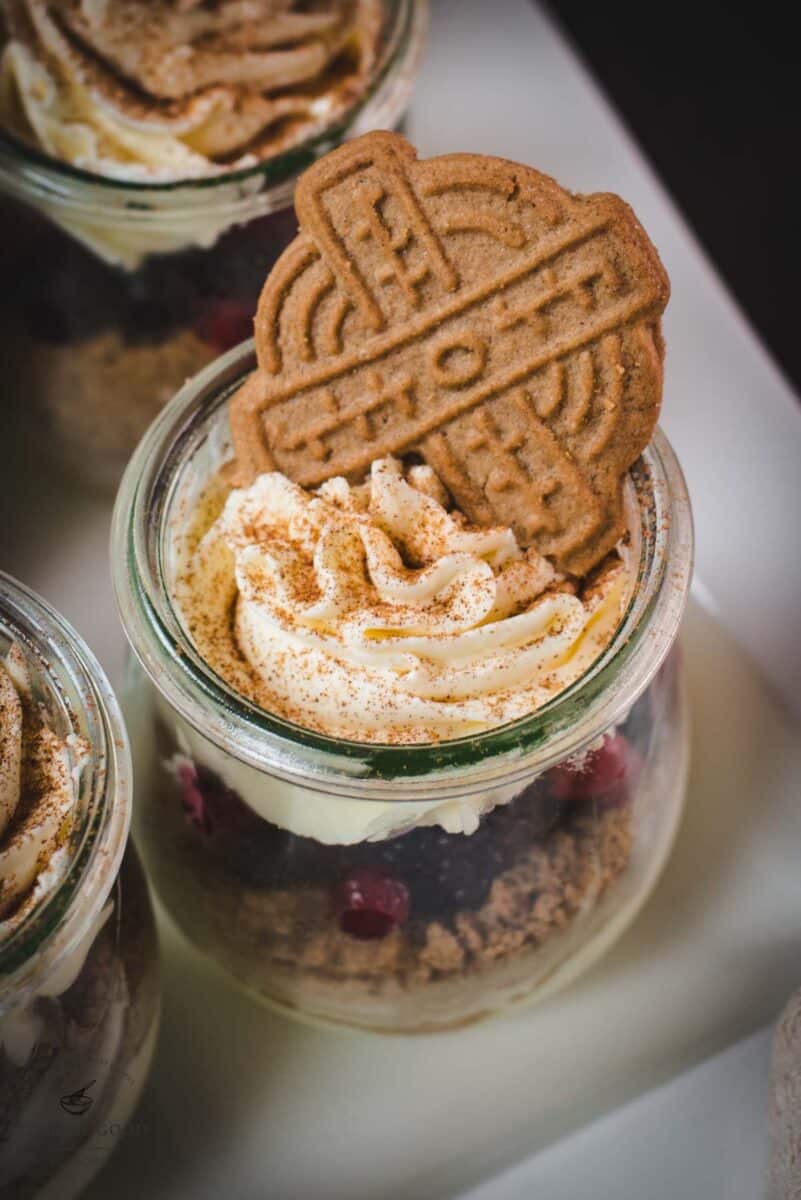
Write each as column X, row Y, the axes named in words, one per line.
column 370, row 903
column 212, row 807
column 601, row 771
column 225, row 323
column 192, row 799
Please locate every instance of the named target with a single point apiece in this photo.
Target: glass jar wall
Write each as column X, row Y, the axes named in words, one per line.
column 79, row 979
column 124, row 290
column 399, row 888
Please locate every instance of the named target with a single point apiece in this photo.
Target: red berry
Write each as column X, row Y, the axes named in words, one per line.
column 212, row 807
column 225, row 323
column 599, row 773
column 192, row 798
column 370, row 903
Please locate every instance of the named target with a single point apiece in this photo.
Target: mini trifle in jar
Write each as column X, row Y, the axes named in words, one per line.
column 407, row 886
column 410, row 745
column 148, row 153
column 79, row 979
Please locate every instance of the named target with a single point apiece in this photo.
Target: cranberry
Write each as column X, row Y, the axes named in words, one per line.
column 370, row 903
column 193, row 799
column 211, row 806
column 225, row 323
column 601, row 772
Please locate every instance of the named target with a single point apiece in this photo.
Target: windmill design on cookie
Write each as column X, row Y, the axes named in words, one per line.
column 472, row 310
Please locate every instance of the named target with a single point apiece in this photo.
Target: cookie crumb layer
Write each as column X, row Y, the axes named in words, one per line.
column 286, row 943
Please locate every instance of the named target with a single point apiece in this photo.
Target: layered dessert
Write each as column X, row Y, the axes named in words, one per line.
column 76, row 1038
column 96, row 350
column 182, row 126
column 164, row 90
column 400, row 919
column 377, row 613
column 399, row 562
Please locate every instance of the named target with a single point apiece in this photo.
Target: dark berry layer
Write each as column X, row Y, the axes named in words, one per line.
column 66, row 294
column 425, row 873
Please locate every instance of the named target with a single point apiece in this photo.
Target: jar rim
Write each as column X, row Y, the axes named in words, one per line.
column 25, row 167
column 77, row 691
column 563, row 726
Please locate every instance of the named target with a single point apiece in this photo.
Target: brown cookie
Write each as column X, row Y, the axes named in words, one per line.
column 472, row 310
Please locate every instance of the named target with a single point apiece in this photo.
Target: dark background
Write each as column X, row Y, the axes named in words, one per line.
column 711, row 94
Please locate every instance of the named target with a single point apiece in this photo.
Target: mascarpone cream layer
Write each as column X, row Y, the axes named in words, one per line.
column 163, row 90
column 38, row 795
column 374, row 613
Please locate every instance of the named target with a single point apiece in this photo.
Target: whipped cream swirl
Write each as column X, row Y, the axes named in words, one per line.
column 374, row 613
column 161, row 90
column 38, row 794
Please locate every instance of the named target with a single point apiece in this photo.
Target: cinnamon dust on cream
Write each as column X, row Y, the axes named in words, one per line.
column 376, row 613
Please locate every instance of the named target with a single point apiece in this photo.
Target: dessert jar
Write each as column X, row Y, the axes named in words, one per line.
column 125, row 289
column 79, row 977
column 401, row 888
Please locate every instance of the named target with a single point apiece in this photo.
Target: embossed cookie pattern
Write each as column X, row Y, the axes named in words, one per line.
column 472, row 310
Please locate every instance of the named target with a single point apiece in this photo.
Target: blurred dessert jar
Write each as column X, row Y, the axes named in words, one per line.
column 397, row 799
column 79, row 980
column 148, row 153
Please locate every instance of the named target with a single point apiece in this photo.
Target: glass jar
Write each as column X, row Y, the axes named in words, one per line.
column 124, row 290
column 79, row 979
column 397, row 887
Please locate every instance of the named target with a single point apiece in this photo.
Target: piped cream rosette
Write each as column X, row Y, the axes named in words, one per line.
column 38, row 790
column 153, row 91
column 373, row 613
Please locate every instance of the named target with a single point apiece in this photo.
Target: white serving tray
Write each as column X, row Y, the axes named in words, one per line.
column 699, row 1137
column 244, row 1104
